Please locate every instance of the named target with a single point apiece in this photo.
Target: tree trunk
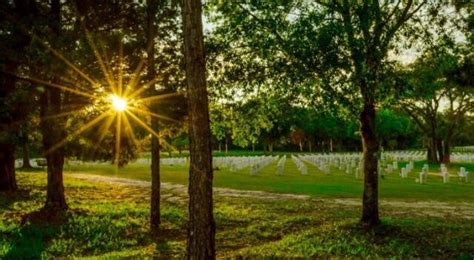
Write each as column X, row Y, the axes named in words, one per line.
column 447, row 152
column 301, row 146
column 155, row 215
column 7, row 144
column 253, row 147
column 219, row 145
column 270, row 147
column 432, row 154
column 7, row 167
column 201, row 228
column 309, row 146
column 440, row 149
column 53, row 132
column 226, row 145
column 370, row 146
column 26, row 154
column 330, row 145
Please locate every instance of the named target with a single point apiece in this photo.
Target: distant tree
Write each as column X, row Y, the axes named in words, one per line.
column 436, row 101
column 201, row 228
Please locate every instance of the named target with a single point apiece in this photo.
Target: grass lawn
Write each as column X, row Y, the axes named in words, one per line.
column 107, row 220
column 316, row 183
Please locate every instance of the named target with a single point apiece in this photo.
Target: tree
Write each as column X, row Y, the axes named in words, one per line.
column 201, row 229
column 152, row 7
column 341, row 47
column 53, row 128
column 12, row 44
column 436, row 101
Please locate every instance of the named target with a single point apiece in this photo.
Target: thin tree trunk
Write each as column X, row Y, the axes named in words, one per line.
column 219, row 145
column 301, row 146
column 447, row 151
column 440, row 150
column 226, row 145
column 53, row 132
column 330, row 145
column 26, row 153
column 253, row 147
column 201, row 228
column 270, row 147
column 309, row 146
column 155, row 218
column 370, row 145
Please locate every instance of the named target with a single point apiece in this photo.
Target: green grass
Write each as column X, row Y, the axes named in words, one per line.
column 110, row 221
column 316, row 183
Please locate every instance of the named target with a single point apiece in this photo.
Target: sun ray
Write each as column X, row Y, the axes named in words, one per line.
column 142, row 88
column 54, row 85
column 99, row 60
column 78, row 132
column 142, row 124
column 61, row 114
column 159, row 97
column 138, row 70
column 52, row 50
column 149, row 129
column 118, row 138
column 127, row 124
column 120, row 69
column 148, row 113
column 104, row 129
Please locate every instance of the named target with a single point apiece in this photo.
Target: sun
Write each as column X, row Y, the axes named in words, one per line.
column 118, row 103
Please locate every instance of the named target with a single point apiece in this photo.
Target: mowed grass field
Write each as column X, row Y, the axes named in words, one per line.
column 338, row 184
column 110, row 221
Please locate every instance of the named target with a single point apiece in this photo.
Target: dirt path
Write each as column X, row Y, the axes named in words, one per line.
column 178, row 192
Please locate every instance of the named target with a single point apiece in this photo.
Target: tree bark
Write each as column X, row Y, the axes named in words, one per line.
column 226, row 145
column 447, row 151
column 7, row 144
column 53, row 132
column 26, row 153
column 270, row 147
column 370, row 146
column 155, row 218
column 433, row 153
column 310, row 146
column 7, row 167
column 201, row 228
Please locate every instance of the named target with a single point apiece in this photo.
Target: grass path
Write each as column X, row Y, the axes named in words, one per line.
column 181, row 190
column 423, row 208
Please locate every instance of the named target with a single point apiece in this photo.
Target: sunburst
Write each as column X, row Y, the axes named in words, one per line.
column 114, row 102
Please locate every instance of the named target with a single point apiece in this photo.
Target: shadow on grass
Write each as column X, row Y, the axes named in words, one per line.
column 36, row 230
column 7, row 199
column 162, row 240
column 32, row 169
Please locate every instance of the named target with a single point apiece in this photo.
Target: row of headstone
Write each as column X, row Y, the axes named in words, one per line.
column 300, row 165
column 465, row 156
column 260, row 163
column 281, row 165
